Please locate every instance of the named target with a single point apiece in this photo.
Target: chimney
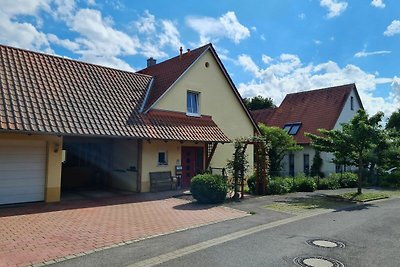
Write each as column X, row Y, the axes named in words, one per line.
column 151, row 61
column 180, row 52
column 188, row 51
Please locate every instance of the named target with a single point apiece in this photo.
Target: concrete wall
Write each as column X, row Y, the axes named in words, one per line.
column 217, row 99
column 125, row 158
column 150, row 158
column 53, row 162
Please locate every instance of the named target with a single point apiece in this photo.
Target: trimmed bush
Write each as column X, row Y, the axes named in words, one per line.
column 303, row 184
column 348, row 179
column 209, row 188
column 390, row 180
column 328, row 183
column 279, row 186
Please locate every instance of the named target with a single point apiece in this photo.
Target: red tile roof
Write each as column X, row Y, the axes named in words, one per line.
column 315, row 109
column 263, row 115
column 167, row 72
column 188, row 128
column 46, row 94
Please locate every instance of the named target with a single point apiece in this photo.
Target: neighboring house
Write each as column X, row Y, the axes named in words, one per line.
column 66, row 124
column 306, row 112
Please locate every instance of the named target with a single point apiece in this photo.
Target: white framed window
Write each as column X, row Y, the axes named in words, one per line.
column 192, row 103
column 162, row 158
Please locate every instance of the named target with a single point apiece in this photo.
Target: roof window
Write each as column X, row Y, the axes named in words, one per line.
column 292, row 128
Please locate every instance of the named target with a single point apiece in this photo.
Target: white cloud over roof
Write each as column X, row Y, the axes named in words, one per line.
column 225, row 26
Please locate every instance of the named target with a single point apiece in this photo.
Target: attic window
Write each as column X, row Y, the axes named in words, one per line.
column 292, row 128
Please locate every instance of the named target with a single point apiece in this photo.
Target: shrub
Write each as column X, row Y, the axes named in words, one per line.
column 390, row 180
column 209, row 188
column 279, row 186
column 348, row 179
column 304, row 184
column 251, row 183
column 328, row 183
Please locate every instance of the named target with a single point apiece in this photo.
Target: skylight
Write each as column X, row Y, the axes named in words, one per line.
column 292, row 128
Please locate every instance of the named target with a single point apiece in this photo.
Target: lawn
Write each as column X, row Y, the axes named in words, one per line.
column 304, row 204
column 364, row 197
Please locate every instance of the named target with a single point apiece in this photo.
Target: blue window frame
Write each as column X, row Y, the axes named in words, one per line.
column 192, row 103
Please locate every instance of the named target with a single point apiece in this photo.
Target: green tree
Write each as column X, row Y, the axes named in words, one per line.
column 281, row 143
column 258, row 102
column 353, row 143
column 394, row 121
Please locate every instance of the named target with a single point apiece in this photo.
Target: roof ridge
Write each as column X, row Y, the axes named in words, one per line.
column 322, row 89
column 175, row 57
column 69, row 59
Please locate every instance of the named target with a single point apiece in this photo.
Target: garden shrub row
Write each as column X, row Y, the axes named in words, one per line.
column 284, row 185
column 390, row 179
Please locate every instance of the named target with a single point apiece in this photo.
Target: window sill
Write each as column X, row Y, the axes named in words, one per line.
column 193, row 115
column 162, row 164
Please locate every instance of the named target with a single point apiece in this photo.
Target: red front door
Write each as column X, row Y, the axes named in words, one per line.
column 192, row 163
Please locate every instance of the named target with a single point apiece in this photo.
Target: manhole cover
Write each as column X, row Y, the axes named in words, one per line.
column 317, row 261
column 325, row 243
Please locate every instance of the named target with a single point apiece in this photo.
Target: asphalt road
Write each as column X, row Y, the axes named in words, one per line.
column 371, row 234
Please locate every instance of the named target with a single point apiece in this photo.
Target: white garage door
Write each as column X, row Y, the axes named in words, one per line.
column 22, row 171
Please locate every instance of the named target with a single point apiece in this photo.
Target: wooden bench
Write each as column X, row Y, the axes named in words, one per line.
column 162, row 181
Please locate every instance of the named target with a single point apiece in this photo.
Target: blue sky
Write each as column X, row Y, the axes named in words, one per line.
column 270, row 48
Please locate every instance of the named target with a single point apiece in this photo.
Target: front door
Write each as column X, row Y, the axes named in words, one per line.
column 192, row 163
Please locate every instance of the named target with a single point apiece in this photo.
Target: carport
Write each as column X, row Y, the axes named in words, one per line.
column 100, row 164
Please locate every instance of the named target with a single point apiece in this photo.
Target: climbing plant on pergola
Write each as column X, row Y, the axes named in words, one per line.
column 239, row 165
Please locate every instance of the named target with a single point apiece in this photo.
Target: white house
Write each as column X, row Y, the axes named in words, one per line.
column 306, row 112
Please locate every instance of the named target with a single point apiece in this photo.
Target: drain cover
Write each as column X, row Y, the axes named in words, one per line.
column 317, row 261
column 325, row 243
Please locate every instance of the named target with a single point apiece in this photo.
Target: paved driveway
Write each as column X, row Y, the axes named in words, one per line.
column 40, row 232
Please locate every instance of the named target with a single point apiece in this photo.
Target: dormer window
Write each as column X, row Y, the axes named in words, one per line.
column 292, row 128
column 192, row 104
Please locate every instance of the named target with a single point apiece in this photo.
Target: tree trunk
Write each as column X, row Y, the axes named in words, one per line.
column 360, row 167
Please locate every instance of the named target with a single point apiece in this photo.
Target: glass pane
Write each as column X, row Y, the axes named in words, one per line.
column 287, row 128
column 194, row 104
column 295, row 128
column 189, row 102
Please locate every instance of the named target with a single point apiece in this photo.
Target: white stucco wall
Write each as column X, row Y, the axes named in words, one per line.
column 327, row 167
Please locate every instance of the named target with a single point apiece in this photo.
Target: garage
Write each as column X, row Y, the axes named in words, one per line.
column 22, row 171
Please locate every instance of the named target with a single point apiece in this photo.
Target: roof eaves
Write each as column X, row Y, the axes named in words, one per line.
column 177, row 80
column 147, row 94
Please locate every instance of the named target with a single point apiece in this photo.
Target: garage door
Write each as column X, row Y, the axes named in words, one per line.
column 22, row 171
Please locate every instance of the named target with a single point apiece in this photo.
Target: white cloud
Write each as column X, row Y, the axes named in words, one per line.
column 226, row 26
column 335, row 8
column 156, row 35
column 169, row 35
column 146, row 24
column 266, row 59
column 302, row 16
column 363, row 53
column 393, row 28
column 262, row 37
column 289, row 75
column 22, row 33
column 378, row 3
column 99, row 38
column 317, row 42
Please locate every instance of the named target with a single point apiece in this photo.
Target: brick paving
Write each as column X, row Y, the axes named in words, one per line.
column 38, row 233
